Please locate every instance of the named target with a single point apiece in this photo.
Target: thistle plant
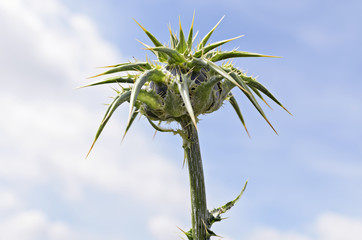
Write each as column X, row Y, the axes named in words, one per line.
column 183, row 83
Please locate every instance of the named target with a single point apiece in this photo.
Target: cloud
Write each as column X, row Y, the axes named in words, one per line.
column 164, row 227
column 8, row 200
column 332, row 226
column 46, row 128
column 327, row 226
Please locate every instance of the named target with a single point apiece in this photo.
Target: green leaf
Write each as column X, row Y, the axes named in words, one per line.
column 161, row 56
column 115, row 79
column 133, row 117
column 173, row 38
column 116, row 65
column 174, row 55
column 150, row 98
column 224, row 74
column 121, row 98
column 218, row 56
column 235, row 105
column 260, row 96
column 229, row 205
column 255, row 84
column 139, row 66
column 150, row 75
column 181, row 46
column 251, row 98
column 207, row 36
column 153, row 38
column 189, row 38
column 212, row 46
column 161, row 129
column 184, row 92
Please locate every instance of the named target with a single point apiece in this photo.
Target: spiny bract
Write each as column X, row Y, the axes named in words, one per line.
column 184, row 82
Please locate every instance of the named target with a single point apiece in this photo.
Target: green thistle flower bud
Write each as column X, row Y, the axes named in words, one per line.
column 184, row 82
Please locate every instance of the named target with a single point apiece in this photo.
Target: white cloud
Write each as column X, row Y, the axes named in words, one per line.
column 45, row 129
column 332, row 226
column 35, row 225
column 273, row 234
column 8, row 201
column 32, row 225
column 165, row 228
column 327, row 226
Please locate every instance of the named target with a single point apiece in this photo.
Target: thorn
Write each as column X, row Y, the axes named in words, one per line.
column 144, row 29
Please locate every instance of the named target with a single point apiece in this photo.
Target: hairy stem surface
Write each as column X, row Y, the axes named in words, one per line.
column 199, row 212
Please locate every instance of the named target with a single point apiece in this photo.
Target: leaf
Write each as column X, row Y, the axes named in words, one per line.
column 149, row 75
column 218, row 56
column 235, row 105
column 121, row 98
column 161, row 129
column 153, row 38
column 173, row 38
column 116, row 79
column 251, row 98
column 207, row 36
column 212, row 46
column 139, row 66
column 189, row 38
column 253, row 83
column 224, row 74
column 184, row 92
column 150, row 98
column 230, row 204
column 181, row 46
column 173, row 54
column 161, row 56
column 260, row 96
column 133, row 117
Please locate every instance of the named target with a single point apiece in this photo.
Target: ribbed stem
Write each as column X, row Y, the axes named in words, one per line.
column 199, row 211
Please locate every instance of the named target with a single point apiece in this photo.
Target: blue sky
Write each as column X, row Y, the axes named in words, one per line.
column 304, row 184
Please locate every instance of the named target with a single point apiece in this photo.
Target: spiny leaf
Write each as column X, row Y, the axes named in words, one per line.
column 213, row 46
column 153, row 38
column 150, row 98
column 173, row 38
column 230, row 204
column 173, row 55
column 188, row 234
column 184, row 92
column 181, row 46
column 139, row 66
column 207, row 36
column 161, row 129
column 189, row 38
column 116, row 79
column 260, row 96
column 234, row 54
column 251, row 98
column 133, row 117
column 112, row 66
column 235, row 105
column 121, row 98
column 253, row 83
column 161, row 56
column 202, row 100
column 224, row 74
column 150, row 75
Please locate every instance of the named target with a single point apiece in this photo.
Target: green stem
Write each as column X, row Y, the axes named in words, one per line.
column 199, row 212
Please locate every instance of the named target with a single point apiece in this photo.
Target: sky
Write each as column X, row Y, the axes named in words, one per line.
column 304, row 184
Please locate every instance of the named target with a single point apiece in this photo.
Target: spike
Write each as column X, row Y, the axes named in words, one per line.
column 206, row 38
column 121, row 98
column 184, row 92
